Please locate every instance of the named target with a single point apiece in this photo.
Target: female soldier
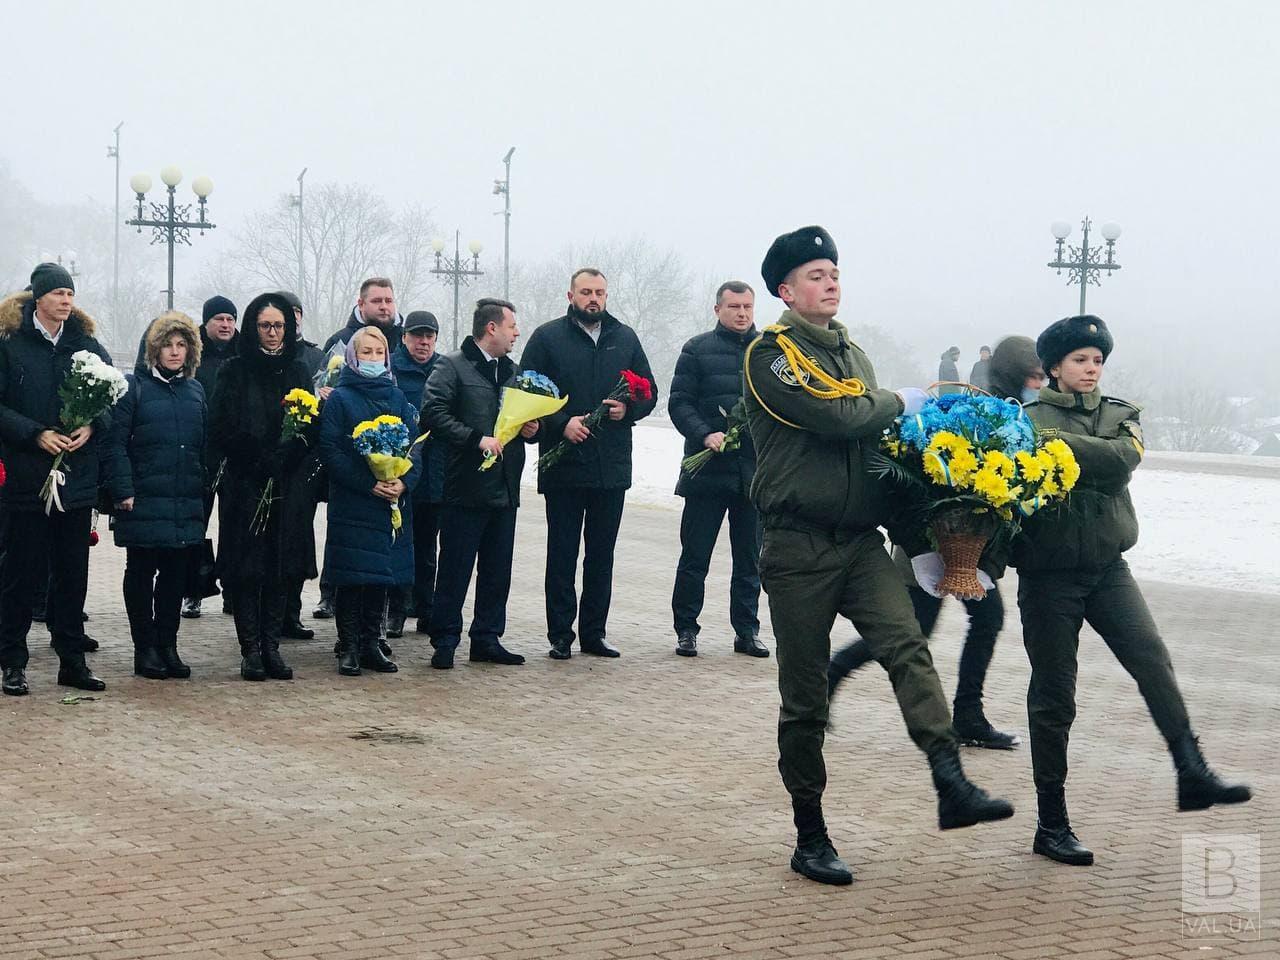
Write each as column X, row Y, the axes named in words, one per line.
column 154, row 458
column 1071, row 569
column 262, row 478
column 364, row 558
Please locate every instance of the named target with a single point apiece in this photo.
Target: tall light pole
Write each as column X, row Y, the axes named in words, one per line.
column 114, row 152
column 169, row 221
column 457, row 270
column 302, row 270
column 503, row 188
column 1086, row 263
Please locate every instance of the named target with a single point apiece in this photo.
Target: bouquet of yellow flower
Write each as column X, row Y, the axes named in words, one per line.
column 384, row 444
column 977, row 466
column 300, row 410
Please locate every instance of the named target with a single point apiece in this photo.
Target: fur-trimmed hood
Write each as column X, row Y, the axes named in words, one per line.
column 13, row 307
column 165, row 326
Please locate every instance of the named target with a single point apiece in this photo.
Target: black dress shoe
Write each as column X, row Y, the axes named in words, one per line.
column 323, row 610
column 395, row 627
column 1061, row 844
column 90, row 644
column 386, row 649
column 819, row 861
column 442, row 659
column 561, row 650
column 79, row 675
column 495, row 653
column 687, row 645
column 600, row 648
column 15, row 682
column 294, row 630
column 191, row 608
column 147, row 663
column 751, row 646
column 974, row 730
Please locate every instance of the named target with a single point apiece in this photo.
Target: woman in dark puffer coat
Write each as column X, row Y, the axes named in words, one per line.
column 154, row 458
column 245, row 420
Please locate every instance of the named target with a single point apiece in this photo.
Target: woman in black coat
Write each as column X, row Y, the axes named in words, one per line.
column 258, row 556
column 154, row 459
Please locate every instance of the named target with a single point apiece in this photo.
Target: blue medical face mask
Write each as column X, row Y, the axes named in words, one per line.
column 371, row 368
column 1029, row 394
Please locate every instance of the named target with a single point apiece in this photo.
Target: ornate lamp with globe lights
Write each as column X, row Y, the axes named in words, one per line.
column 1084, row 264
column 170, row 221
column 457, row 269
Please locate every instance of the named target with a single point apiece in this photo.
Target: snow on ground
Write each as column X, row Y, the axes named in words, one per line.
column 1205, row 529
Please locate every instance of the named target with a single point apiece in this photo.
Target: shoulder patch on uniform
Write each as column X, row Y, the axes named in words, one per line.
column 781, row 368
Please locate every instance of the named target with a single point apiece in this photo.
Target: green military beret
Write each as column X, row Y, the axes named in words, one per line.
column 1072, row 333
column 793, row 249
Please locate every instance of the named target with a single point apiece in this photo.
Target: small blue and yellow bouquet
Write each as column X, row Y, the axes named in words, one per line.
column 976, row 466
column 533, row 397
column 384, row 443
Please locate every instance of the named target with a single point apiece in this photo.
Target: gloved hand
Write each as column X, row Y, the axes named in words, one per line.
column 929, row 568
column 913, row 399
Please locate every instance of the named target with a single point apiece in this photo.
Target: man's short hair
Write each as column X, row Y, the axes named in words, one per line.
column 375, row 282
column 589, row 271
column 733, row 286
column 488, row 310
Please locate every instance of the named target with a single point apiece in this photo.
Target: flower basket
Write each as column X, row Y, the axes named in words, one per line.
column 961, row 536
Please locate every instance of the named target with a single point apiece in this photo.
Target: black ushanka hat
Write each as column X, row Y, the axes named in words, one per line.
column 1072, row 333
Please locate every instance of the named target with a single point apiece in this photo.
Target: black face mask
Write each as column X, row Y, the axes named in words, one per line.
column 584, row 318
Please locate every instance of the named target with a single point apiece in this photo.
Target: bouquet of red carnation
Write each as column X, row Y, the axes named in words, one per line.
column 630, row 388
column 3, row 476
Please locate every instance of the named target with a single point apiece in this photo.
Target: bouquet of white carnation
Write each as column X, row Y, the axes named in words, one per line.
column 91, row 389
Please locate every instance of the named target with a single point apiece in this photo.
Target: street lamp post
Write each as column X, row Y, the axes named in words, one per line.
column 1085, row 265
column 503, row 188
column 170, row 221
column 457, row 269
column 302, row 270
column 113, row 152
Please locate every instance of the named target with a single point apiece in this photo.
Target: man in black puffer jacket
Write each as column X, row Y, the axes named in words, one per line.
column 706, row 386
column 584, row 353
column 40, row 332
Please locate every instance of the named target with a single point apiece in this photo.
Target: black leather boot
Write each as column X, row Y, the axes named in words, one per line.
column 1198, row 786
column 347, row 617
column 15, row 682
column 245, row 612
column 814, row 856
column 687, row 644
column 73, row 671
column 372, row 607
column 273, row 607
column 147, row 663
column 173, row 663
column 960, row 802
column 974, row 730
column 1054, row 837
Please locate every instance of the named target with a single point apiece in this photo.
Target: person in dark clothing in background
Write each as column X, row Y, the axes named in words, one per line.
column 980, row 375
column 411, row 365
column 948, row 372
column 218, row 344
column 40, row 331
column 707, row 385
column 584, row 353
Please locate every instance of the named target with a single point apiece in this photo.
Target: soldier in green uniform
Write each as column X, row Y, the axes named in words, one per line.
column 1071, row 568
column 812, row 403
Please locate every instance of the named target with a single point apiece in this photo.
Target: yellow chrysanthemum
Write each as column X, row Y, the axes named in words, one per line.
column 1032, row 469
column 892, row 447
column 934, row 469
column 992, row 487
column 1049, row 488
column 1001, row 463
column 1068, row 473
column 1046, row 460
column 963, row 466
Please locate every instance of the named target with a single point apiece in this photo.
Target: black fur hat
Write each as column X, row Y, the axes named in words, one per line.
column 793, row 249
column 1072, row 333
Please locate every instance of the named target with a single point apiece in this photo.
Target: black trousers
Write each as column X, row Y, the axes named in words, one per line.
column 1054, row 604
column 154, row 578
column 580, row 515
column 699, row 529
column 35, row 546
column 473, row 539
column 986, row 619
column 426, row 536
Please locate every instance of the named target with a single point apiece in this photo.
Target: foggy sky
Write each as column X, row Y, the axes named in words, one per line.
column 936, row 141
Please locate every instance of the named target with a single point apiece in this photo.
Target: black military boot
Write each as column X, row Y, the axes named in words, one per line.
column 1199, row 787
column 371, row 616
column 346, row 615
column 814, row 856
column 974, row 730
column 173, row 663
column 1054, row 837
column 961, row 803
column 687, row 644
column 147, row 663
column 73, row 671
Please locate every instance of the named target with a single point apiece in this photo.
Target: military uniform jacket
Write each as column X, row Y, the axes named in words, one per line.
column 810, row 451
column 1097, row 522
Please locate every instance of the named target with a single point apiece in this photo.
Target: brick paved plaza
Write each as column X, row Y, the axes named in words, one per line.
column 596, row 808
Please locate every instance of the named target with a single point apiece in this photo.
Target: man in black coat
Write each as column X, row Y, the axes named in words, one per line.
column 40, row 332
column 479, row 525
column 218, row 344
column 376, row 306
column 411, row 365
column 584, row 353
column 706, row 386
